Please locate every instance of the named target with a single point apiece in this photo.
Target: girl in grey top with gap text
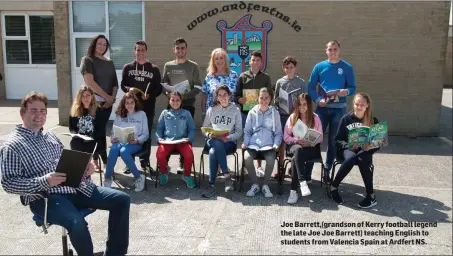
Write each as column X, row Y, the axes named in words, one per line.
column 223, row 115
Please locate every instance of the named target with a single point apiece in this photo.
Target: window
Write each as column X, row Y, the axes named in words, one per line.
column 120, row 22
column 29, row 39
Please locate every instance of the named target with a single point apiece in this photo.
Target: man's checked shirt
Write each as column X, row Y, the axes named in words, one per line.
column 25, row 159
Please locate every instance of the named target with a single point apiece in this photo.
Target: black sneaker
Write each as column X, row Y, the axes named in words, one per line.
column 209, row 192
column 336, row 196
column 326, row 178
column 368, row 202
column 127, row 170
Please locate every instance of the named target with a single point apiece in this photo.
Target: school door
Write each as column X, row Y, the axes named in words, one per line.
column 29, row 54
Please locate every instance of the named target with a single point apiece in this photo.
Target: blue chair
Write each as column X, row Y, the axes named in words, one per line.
column 42, row 222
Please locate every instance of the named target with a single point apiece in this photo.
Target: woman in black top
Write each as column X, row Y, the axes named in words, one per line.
column 361, row 156
column 82, row 120
column 100, row 75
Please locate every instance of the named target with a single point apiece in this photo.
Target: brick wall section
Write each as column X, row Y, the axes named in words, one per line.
column 397, row 49
column 2, row 66
column 448, row 77
column 63, row 55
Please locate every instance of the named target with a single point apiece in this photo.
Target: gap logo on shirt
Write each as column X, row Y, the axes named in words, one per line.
column 222, row 120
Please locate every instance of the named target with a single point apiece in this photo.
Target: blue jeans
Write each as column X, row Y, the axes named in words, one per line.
column 144, row 159
column 63, row 211
column 125, row 151
column 218, row 151
column 330, row 117
column 244, row 118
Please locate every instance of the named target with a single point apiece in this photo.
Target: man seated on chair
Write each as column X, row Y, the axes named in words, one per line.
column 28, row 160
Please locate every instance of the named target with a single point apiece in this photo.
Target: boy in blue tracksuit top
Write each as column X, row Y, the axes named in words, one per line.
column 331, row 74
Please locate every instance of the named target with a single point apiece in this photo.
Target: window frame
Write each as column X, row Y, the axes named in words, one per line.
column 90, row 35
column 26, row 37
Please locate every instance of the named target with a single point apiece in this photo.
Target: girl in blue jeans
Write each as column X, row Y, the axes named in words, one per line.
column 128, row 114
column 224, row 115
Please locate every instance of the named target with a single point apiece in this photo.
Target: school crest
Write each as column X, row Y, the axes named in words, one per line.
column 243, row 38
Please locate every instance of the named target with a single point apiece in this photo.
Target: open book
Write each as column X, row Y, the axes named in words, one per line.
column 83, row 137
column 329, row 95
column 286, row 99
column 182, row 87
column 140, row 91
column 74, row 164
column 124, row 135
column 251, row 98
column 255, row 147
column 376, row 135
column 301, row 131
column 215, row 132
column 169, row 141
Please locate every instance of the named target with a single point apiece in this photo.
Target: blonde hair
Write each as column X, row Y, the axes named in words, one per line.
column 77, row 106
column 368, row 119
column 212, row 69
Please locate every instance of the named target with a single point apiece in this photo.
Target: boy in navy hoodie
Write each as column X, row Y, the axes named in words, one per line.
column 137, row 74
column 335, row 75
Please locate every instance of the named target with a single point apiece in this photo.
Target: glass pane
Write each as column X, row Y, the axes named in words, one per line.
column 42, row 40
column 15, row 25
column 81, row 45
column 88, row 16
column 125, row 22
column 17, row 52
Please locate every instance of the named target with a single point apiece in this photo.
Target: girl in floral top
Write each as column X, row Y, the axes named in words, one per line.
column 219, row 73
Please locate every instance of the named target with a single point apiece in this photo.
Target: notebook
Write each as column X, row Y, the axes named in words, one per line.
column 74, row 164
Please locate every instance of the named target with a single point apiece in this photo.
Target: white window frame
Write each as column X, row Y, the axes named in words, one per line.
column 26, row 37
column 90, row 35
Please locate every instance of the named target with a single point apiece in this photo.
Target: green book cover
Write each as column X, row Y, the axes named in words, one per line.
column 251, row 98
column 376, row 136
column 358, row 136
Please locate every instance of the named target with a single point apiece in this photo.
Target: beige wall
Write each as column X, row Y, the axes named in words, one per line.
column 26, row 5
column 397, row 49
column 448, row 77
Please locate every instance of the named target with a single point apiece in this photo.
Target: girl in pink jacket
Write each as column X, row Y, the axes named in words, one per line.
column 301, row 149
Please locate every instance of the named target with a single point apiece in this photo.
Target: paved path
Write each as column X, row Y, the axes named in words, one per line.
column 413, row 182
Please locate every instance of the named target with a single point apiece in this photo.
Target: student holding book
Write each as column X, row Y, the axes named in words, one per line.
column 175, row 124
column 128, row 114
column 361, row 156
column 82, row 120
column 290, row 86
column 224, row 115
column 301, row 149
column 262, row 137
column 333, row 74
column 143, row 78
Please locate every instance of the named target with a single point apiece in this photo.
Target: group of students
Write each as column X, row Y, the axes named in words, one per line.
column 28, row 158
column 266, row 128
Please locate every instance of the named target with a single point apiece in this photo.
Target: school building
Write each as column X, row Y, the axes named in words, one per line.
column 398, row 49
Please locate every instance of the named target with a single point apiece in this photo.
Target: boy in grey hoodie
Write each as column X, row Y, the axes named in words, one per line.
column 224, row 115
column 262, row 137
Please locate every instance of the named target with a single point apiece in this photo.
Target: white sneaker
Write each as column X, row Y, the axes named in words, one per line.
column 140, row 183
column 293, row 197
column 107, row 183
column 266, row 191
column 259, row 172
column 304, row 190
column 253, row 190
